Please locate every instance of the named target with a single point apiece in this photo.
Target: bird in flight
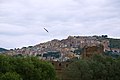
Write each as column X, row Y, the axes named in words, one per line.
column 46, row 30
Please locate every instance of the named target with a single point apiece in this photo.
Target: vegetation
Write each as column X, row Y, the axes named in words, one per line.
column 25, row 68
column 112, row 54
column 114, row 43
column 52, row 54
column 2, row 50
column 96, row 68
column 10, row 76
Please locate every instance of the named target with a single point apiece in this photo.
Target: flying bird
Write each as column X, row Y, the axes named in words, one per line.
column 46, row 30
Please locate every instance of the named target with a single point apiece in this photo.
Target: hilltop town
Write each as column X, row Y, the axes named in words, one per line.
column 65, row 49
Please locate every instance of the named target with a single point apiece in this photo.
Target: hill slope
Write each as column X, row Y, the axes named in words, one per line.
column 3, row 50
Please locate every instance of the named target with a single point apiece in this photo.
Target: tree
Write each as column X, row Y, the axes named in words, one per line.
column 10, row 76
column 78, row 70
column 38, row 70
column 97, row 67
column 104, row 36
column 5, row 65
column 25, row 68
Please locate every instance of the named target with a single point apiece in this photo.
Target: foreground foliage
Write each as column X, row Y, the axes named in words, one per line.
column 25, row 68
column 95, row 68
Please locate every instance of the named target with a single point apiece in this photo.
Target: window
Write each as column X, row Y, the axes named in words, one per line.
column 59, row 64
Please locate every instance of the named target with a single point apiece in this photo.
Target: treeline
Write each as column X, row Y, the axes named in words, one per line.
column 97, row 67
column 25, row 68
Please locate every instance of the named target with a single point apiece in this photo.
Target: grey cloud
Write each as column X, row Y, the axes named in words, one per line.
column 25, row 19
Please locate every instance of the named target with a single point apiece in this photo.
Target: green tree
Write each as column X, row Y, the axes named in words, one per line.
column 28, row 68
column 31, row 68
column 10, row 76
column 97, row 67
column 78, row 70
column 5, row 65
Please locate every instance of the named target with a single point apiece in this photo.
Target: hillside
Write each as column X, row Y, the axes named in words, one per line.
column 3, row 50
column 73, row 46
column 114, row 43
column 64, row 49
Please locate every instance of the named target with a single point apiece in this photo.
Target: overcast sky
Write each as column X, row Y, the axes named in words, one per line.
column 22, row 22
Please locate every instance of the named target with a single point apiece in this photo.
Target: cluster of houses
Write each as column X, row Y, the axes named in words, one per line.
column 62, row 50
